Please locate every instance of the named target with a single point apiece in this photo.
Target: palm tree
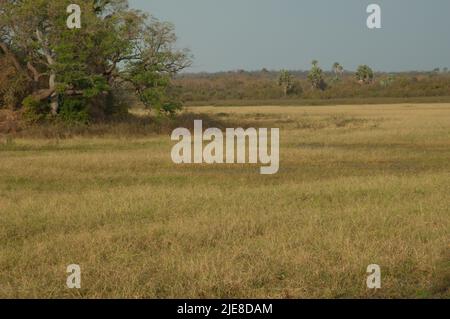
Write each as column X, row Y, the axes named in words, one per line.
column 337, row 69
column 315, row 76
column 341, row 70
column 285, row 80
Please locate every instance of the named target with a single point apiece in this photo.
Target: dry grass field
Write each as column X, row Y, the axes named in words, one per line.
column 357, row 185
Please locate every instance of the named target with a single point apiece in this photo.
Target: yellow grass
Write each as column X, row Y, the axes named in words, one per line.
column 358, row 185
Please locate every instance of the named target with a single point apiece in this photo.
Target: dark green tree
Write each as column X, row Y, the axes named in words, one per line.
column 364, row 74
column 316, row 76
column 117, row 47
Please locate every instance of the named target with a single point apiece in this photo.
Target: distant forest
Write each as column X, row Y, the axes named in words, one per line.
column 314, row 85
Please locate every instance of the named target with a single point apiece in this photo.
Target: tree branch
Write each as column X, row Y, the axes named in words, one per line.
column 43, row 94
column 32, row 69
column 14, row 59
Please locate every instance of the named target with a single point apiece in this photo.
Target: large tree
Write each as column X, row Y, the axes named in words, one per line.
column 116, row 47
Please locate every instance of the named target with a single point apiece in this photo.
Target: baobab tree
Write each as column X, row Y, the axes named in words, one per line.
column 116, row 46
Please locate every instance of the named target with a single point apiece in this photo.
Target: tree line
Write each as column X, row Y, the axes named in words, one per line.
column 316, row 77
column 317, row 83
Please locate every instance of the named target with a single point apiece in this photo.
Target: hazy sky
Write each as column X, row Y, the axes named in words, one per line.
column 276, row 34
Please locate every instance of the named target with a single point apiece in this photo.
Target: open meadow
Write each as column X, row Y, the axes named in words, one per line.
column 357, row 185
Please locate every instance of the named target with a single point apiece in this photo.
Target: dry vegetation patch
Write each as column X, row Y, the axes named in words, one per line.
column 357, row 185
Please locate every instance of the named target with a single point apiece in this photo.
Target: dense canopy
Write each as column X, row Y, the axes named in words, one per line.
column 48, row 69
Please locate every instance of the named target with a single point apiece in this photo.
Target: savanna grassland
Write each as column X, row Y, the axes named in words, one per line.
column 357, row 185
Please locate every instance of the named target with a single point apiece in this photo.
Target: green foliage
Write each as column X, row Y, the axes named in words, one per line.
column 285, row 80
column 13, row 85
column 12, row 92
column 151, row 75
column 34, row 111
column 74, row 67
column 74, row 110
column 79, row 70
column 316, row 77
column 263, row 86
column 364, row 74
column 158, row 100
column 152, row 88
column 338, row 70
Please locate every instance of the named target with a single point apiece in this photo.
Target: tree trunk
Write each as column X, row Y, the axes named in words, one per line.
column 54, row 104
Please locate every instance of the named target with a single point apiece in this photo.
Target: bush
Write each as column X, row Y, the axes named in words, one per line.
column 34, row 111
column 74, row 110
column 13, row 85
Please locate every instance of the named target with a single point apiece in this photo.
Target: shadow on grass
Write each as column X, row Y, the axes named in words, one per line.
column 128, row 126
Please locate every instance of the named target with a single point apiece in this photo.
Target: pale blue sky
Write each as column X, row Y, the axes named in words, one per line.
column 275, row 34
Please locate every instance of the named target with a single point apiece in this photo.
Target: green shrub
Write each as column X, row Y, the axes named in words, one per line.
column 35, row 111
column 74, row 110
